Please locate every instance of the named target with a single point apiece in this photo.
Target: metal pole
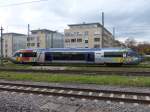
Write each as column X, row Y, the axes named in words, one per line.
column 1, row 45
column 102, row 29
column 113, row 36
column 52, row 40
column 28, row 36
column 114, row 32
column 103, row 19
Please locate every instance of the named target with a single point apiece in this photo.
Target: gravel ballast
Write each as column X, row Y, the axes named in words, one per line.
column 16, row 102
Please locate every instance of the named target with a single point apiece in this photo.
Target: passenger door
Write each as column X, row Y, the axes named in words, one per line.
column 99, row 57
column 90, row 57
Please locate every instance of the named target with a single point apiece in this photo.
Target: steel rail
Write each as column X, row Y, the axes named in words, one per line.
column 77, row 89
column 116, row 99
column 85, row 72
column 91, row 97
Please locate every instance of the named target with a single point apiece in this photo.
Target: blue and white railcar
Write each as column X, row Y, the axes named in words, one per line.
column 78, row 55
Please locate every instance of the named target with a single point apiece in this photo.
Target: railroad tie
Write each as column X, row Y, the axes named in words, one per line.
column 40, row 95
column 21, row 93
column 6, row 86
column 61, row 91
column 60, row 97
column 135, row 97
column 35, row 89
column 100, row 94
column 50, row 96
column 13, row 87
column 28, row 88
column 13, row 92
column 147, row 98
column 122, row 96
column 52, row 90
column 83, row 99
column 108, row 102
column 96, row 100
column 111, row 95
column 70, row 92
column 90, row 93
column 5, row 92
column 20, row 87
column 80, row 93
column 43, row 89
column 31, row 94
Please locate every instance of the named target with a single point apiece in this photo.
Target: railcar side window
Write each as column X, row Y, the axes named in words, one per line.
column 17, row 54
column 113, row 54
column 132, row 54
column 48, row 56
column 32, row 54
column 90, row 57
column 68, row 56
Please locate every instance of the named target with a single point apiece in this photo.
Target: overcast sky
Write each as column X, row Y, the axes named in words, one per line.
column 131, row 18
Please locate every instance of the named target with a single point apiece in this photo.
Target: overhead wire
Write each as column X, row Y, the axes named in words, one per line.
column 22, row 3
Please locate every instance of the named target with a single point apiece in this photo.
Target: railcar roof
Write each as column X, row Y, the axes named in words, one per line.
column 78, row 49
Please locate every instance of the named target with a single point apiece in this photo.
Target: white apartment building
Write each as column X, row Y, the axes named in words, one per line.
column 13, row 42
column 87, row 35
column 44, row 38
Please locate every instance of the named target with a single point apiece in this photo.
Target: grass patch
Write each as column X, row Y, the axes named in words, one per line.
column 8, row 64
column 63, row 78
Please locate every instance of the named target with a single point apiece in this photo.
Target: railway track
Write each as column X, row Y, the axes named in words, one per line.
column 85, row 72
column 81, row 93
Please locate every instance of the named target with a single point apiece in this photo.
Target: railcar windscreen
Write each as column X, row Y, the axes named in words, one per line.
column 113, row 54
column 31, row 54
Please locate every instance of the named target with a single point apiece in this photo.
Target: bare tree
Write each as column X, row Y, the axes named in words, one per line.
column 131, row 43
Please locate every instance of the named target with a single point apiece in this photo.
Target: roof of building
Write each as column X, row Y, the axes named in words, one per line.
column 12, row 33
column 98, row 24
column 85, row 24
column 42, row 30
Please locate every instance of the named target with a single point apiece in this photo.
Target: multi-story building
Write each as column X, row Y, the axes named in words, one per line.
column 87, row 35
column 13, row 42
column 44, row 38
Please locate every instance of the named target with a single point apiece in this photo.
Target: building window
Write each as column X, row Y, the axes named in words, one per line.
column 38, row 44
column 97, row 39
column 32, row 38
column 28, row 44
column 28, row 39
column 67, row 34
column 32, row 44
column 86, row 41
column 79, row 40
column 86, row 33
column 38, row 39
column 6, row 45
column 96, row 46
column 73, row 40
column 67, row 40
column 97, row 33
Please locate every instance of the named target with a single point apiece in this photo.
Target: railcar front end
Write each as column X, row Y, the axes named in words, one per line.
column 24, row 56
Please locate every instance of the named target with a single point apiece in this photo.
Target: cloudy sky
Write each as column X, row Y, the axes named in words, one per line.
column 131, row 18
